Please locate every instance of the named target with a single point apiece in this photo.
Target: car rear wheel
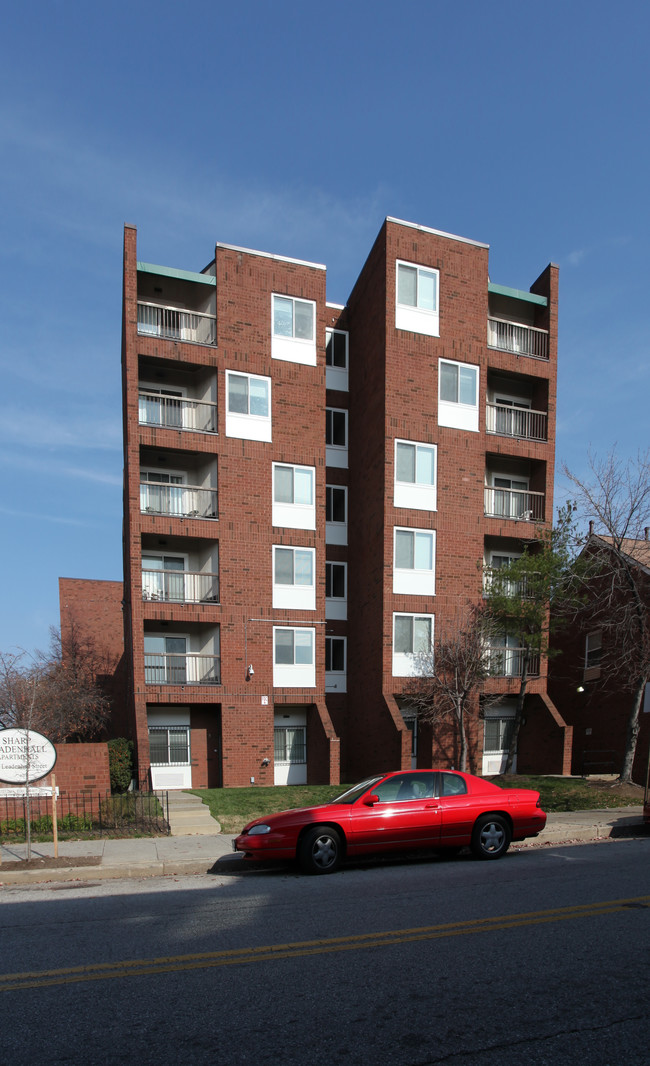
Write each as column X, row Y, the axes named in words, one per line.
column 320, row 851
column 491, row 837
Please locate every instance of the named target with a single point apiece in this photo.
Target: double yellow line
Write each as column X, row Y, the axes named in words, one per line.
column 103, row 971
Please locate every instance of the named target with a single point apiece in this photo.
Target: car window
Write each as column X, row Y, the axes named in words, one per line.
column 353, row 794
column 404, row 787
column 452, row 785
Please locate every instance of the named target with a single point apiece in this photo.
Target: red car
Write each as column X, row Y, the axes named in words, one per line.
column 437, row 809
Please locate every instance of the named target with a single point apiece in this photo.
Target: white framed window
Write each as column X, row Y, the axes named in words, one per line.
column 414, row 561
column 336, row 359
column 458, row 395
column 415, row 475
column 417, row 299
column 293, row 578
column 248, row 406
column 593, row 655
column 293, row 334
column 336, row 514
column 293, row 657
column 293, row 496
column 163, row 578
column 290, row 749
column 495, row 560
column 336, row 437
column 412, row 638
column 336, row 590
column 335, row 664
column 508, row 497
column 163, row 492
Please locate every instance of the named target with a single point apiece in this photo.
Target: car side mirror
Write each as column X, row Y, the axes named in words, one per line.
column 369, row 801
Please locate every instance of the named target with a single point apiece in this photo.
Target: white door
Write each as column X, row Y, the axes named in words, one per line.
column 290, row 749
column 497, row 730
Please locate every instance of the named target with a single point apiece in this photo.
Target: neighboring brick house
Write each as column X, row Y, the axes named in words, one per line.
column 592, row 687
column 310, row 488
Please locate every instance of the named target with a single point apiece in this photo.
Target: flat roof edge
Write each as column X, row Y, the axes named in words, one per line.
column 172, row 272
column 271, row 255
column 517, row 294
column 437, row 232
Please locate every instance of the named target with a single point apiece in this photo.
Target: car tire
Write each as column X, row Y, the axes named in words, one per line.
column 320, row 851
column 491, row 837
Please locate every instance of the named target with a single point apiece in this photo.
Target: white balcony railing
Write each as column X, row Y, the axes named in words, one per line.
column 508, row 662
column 154, row 320
column 176, row 412
column 514, row 503
column 163, row 668
column 512, row 337
column 181, row 501
column 524, row 589
column 519, row 422
column 180, row 586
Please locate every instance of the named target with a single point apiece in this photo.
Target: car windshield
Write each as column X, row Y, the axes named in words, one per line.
column 352, row 794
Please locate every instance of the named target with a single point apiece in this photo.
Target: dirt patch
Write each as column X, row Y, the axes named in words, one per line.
column 48, row 863
column 625, row 794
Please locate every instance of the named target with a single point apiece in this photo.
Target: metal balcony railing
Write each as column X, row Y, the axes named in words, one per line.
column 514, row 503
column 524, row 589
column 173, row 669
column 173, row 324
column 519, row 422
column 513, row 337
column 176, row 412
column 181, row 501
column 508, row 662
column 180, row 586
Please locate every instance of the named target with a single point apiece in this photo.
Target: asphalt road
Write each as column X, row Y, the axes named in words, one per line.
column 542, row 957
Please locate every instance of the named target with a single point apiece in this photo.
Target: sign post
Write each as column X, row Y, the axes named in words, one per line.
column 25, row 756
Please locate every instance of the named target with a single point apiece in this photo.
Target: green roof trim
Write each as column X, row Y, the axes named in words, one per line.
column 171, row 272
column 517, row 294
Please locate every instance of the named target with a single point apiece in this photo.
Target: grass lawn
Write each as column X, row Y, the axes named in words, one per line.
column 234, row 807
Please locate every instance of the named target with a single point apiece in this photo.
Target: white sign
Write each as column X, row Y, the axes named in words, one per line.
column 25, row 756
column 20, row 793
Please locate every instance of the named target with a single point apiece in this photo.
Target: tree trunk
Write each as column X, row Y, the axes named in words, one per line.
column 632, row 732
column 519, row 712
column 463, row 740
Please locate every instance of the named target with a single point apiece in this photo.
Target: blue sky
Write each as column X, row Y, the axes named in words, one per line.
column 296, row 128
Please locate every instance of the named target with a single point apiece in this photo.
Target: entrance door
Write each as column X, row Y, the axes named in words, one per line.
column 290, row 749
column 497, row 731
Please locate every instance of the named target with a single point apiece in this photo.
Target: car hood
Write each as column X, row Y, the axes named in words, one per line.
column 295, row 814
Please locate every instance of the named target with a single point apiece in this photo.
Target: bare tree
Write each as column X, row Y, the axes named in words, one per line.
column 615, row 496
column 448, row 680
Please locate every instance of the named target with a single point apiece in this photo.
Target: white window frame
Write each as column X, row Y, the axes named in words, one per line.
column 155, row 591
column 416, row 495
column 297, row 597
column 295, row 674
column 453, row 413
column 336, row 377
column 293, row 349
column 337, row 606
column 593, row 643
column 336, row 454
column 294, row 515
column 336, row 680
column 412, row 581
column 406, row 664
column 336, row 532
column 413, row 317
column 248, row 426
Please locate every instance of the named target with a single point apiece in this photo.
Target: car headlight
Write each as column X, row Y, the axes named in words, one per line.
column 257, row 830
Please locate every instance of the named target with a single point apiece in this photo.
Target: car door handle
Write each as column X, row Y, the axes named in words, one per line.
column 429, row 805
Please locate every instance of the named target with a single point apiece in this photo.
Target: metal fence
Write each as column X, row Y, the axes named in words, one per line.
column 86, row 814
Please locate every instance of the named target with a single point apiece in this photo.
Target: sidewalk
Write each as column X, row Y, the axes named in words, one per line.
column 165, row 856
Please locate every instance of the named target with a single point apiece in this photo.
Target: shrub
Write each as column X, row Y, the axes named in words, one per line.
column 120, row 763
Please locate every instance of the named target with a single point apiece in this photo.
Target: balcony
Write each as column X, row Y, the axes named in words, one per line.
column 179, row 586
column 172, row 323
column 179, row 501
column 166, row 668
column 524, row 589
column 513, row 337
column 520, row 422
column 176, row 412
column 518, row 504
column 508, row 662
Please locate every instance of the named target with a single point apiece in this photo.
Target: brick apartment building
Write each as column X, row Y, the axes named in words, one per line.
column 310, row 489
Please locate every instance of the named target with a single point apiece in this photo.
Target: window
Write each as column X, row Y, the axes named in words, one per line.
column 414, row 562
column 335, row 664
column 497, row 734
column 416, row 306
column 336, row 514
column 495, row 561
column 336, row 590
column 294, row 334
column 593, row 655
column 165, row 659
column 163, row 577
column 293, row 657
column 336, row 437
column 169, row 746
column 293, row 578
column 509, row 497
column 412, row 638
column 293, row 496
column 161, row 407
column 404, row 788
column 290, row 744
column 248, row 406
column 415, row 475
column 162, row 492
column 458, row 395
column 336, row 359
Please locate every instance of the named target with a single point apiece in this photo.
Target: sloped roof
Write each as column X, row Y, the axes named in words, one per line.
column 636, row 550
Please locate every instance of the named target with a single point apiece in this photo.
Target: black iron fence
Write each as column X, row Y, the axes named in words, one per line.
column 86, row 814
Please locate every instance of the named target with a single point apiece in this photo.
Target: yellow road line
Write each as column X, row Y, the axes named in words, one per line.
column 238, row 956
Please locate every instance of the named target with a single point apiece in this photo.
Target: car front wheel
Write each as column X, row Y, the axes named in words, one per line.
column 320, row 851
column 491, row 837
